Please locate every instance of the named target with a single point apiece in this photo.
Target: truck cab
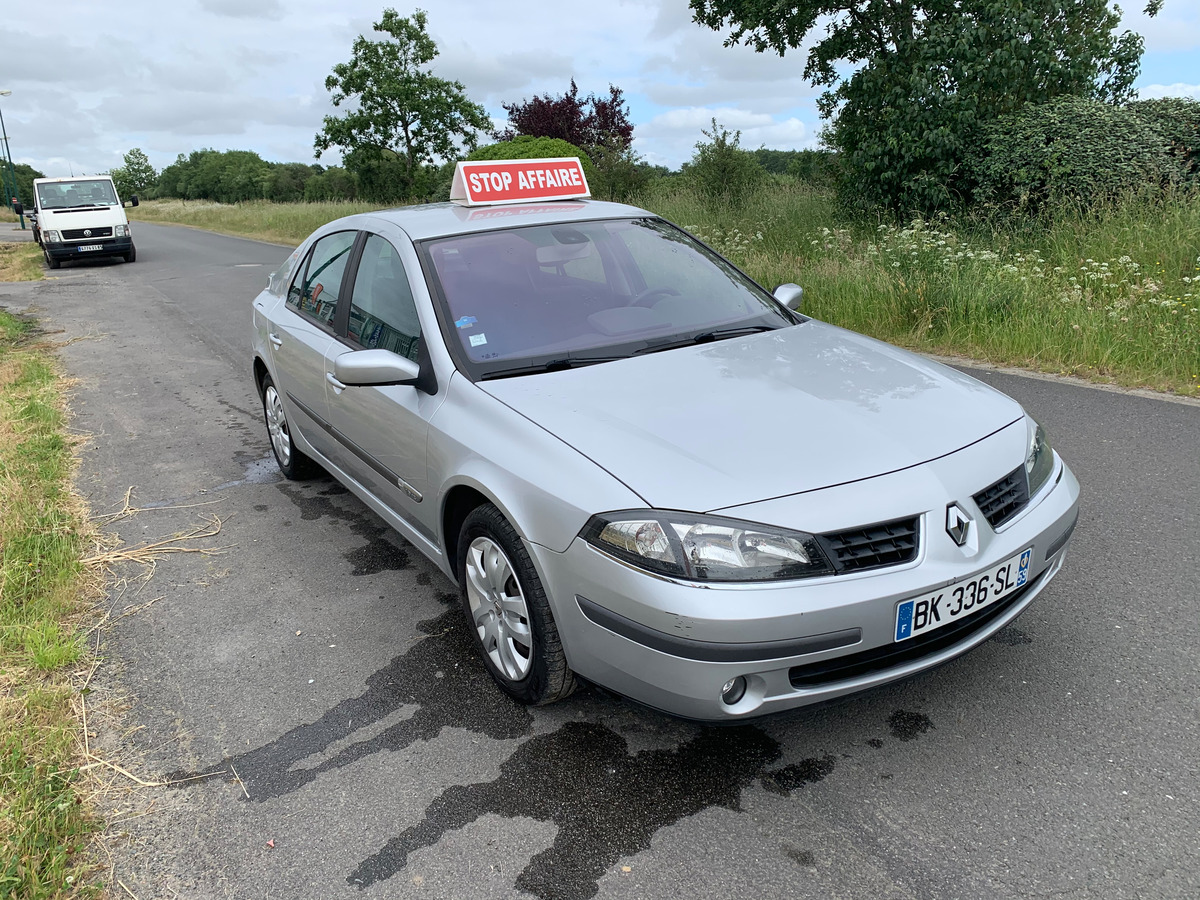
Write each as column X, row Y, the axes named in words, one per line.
column 82, row 217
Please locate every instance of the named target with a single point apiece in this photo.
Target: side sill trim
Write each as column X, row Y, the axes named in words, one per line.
column 362, row 454
column 714, row 651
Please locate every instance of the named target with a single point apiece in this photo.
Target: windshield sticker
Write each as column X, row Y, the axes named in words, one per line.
column 478, row 339
column 465, row 322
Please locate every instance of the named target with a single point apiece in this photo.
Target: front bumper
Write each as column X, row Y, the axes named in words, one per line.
column 674, row 645
column 71, row 250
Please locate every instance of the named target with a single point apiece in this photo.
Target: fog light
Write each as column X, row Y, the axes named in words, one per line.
column 734, row 690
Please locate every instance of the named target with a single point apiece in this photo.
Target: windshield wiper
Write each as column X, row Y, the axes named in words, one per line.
column 554, row 365
column 706, row 337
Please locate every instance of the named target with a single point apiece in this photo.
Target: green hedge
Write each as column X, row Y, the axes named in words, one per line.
column 1072, row 152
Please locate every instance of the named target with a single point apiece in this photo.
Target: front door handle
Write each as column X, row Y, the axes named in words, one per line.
column 275, row 339
column 337, row 385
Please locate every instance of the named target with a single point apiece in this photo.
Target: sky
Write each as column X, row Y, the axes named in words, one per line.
column 94, row 80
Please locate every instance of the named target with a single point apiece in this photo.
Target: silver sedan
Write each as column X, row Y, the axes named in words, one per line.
column 645, row 471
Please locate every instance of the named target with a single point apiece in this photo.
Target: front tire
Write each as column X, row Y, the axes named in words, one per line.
column 131, row 255
column 292, row 463
column 50, row 260
column 508, row 612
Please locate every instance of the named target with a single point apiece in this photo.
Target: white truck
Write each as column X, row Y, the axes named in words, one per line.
column 80, row 217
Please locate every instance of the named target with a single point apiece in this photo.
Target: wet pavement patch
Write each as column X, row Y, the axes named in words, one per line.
column 800, row 857
column 605, row 803
column 381, row 553
column 1011, row 637
column 441, row 674
column 907, row 726
column 785, row 780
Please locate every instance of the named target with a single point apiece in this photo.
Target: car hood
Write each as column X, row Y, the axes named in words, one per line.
column 741, row 420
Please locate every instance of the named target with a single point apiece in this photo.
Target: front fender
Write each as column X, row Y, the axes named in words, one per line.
column 544, row 487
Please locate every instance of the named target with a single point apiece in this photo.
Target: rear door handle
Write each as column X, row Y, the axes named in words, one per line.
column 337, row 385
column 275, row 339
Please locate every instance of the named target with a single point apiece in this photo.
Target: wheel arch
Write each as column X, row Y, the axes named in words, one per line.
column 459, row 503
column 260, row 373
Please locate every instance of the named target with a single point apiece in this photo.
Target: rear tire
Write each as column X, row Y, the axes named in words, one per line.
column 507, row 611
column 292, row 463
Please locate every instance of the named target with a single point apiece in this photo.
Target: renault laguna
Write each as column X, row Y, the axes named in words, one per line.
column 644, row 470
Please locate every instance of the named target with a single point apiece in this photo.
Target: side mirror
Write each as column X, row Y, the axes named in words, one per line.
column 790, row 295
column 18, row 208
column 132, row 201
column 363, row 367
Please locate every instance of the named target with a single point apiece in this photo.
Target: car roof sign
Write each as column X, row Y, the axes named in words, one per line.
column 490, row 182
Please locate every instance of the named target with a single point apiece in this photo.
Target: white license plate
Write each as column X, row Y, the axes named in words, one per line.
column 922, row 615
column 86, row 247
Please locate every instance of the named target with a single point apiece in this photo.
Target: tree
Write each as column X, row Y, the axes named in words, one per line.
column 137, row 175
column 399, row 106
column 25, row 175
column 587, row 122
column 721, row 170
column 931, row 73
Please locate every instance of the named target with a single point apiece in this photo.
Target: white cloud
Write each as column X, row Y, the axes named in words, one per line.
column 673, row 135
column 1157, row 91
column 173, row 77
column 244, row 9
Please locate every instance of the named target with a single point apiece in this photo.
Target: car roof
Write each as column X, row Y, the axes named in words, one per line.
column 433, row 220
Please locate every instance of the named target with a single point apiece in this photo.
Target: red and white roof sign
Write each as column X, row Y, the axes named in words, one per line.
column 518, row 181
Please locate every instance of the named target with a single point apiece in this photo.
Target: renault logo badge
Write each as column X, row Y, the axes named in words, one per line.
column 958, row 523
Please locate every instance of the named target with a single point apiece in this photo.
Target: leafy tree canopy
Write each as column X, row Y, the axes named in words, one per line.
column 721, row 170
column 526, row 147
column 397, row 105
column 587, row 122
column 930, row 73
column 137, row 176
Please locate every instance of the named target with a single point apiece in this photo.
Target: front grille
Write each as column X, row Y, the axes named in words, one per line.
column 1004, row 499
column 856, row 665
column 77, row 234
column 872, row 546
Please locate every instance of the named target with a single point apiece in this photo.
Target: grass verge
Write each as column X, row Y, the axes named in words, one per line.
column 21, row 262
column 43, row 823
column 1112, row 296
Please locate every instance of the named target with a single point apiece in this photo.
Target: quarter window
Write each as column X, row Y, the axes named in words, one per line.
column 382, row 312
column 315, row 293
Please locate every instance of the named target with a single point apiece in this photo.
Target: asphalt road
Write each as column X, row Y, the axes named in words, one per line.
column 319, row 658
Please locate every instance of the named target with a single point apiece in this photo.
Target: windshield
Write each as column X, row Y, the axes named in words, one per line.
column 82, row 193
column 566, row 294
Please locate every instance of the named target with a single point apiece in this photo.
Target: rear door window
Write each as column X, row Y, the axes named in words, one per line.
column 314, row 293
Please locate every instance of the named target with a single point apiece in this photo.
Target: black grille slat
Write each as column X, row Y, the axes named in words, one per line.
column 866, row 662
column 1001, row 501
column 77, row 234
column 872, row 546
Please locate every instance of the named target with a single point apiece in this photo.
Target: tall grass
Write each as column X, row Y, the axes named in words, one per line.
column 281, row 223
column 21, row 262
column 43, row 824
column 1112, row 294
column 1106, row 294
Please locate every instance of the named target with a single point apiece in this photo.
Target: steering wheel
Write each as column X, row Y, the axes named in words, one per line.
column 650, row 293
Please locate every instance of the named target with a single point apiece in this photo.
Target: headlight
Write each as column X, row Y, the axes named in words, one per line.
column 706, row 548
column 1039, row 458
column 51, row 236
column 121, row 231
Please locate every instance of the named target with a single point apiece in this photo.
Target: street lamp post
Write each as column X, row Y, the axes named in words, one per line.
column 9, row 196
